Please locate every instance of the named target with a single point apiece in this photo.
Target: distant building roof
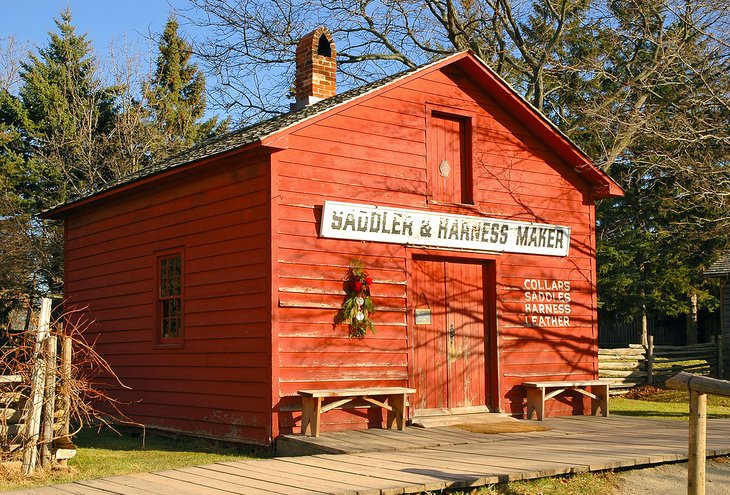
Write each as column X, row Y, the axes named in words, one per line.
column 720, row 268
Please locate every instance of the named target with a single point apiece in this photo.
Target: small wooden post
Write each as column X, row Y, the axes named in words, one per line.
column 697, row 443
column 38, row 385
column 49, row 404
column 650, row 361
column 65, row 375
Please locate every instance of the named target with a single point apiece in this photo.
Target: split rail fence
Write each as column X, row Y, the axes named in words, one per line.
column 34, row 409
column 627, row 367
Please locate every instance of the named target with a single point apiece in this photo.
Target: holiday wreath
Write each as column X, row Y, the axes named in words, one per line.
column 358, row 305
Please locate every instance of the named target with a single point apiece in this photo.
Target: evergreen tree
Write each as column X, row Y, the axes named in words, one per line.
column 53, row 145
column 64, row 133
column 655, row 243
column 175, row 96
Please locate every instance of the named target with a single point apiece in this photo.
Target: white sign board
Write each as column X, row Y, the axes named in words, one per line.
column 425, row 228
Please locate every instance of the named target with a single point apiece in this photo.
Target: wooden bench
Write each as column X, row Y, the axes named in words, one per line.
column 539, row 392
column 313, row 404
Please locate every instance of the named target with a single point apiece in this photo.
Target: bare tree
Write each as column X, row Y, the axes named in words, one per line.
column 132, row 140
column 589, row 65
column 641, row 85
column 10, row 55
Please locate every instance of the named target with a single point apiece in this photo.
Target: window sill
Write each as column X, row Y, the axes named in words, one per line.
column 169, row 345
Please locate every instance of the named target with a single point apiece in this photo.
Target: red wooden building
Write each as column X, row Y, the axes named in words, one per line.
column 214, row 277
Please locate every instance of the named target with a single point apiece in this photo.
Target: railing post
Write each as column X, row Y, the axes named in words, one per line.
column 38, row 385
column 697, row 443
column 49, row 402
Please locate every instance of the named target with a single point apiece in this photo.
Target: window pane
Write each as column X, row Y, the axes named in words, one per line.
column 170, row 303
column 171, row 318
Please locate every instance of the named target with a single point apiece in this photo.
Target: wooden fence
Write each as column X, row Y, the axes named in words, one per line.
column 34, row 409
column 637, row 365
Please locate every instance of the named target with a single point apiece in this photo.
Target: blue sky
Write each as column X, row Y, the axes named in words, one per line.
column 103, row 20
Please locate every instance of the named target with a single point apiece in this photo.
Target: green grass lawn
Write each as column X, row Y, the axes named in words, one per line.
column 108, row 454
column 666, row 404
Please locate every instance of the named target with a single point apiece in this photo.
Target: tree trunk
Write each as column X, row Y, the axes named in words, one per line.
column 644, row 327
column 692, row 320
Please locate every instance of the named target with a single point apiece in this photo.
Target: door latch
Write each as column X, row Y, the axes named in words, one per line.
column 452, row 332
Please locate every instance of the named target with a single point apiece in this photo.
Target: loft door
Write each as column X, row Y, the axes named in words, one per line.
column 449, row 336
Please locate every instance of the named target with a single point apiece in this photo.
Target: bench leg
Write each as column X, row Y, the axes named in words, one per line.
column 601, row 400
column 397, row 414
column 311, row 411
column 536, row 402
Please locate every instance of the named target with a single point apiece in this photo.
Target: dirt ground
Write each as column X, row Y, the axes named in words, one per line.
column 671, row 479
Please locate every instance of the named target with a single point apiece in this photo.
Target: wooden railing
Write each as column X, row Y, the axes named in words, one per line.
column 638, row 365
column 698, row 387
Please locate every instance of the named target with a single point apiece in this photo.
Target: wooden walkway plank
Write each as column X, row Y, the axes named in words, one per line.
column 406, row 463
column 390, row 483
column 572, row 451
column 494, row 463
column 173, row 486
column 265, row 471
column 363, row 484
column 215, row 483
column 248, row 485
column 109, row 486
column 249, row 478
column 596, row 457
column 311, row 471
column 420, row 481
column 77, row 489
column 410, row 483
column 128, row 482
column 561, row 452
column 339, row 445
column 446, row 434
column 510, row 469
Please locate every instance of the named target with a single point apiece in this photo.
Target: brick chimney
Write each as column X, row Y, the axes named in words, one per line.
column 316, row 77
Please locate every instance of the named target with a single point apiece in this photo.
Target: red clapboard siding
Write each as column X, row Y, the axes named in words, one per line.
column 202, row 187
column 224, row 427
column 368, row 150
column 219, row 217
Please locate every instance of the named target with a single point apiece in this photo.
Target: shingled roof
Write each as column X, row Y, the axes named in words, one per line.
column 720, row 268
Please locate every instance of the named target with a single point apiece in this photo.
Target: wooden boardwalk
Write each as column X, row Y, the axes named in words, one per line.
column 432, row 459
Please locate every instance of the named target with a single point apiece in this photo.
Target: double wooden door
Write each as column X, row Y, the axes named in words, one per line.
column 449, row 336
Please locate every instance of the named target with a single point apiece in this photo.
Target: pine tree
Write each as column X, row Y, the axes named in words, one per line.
column 53, row 145
column 176, row 96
